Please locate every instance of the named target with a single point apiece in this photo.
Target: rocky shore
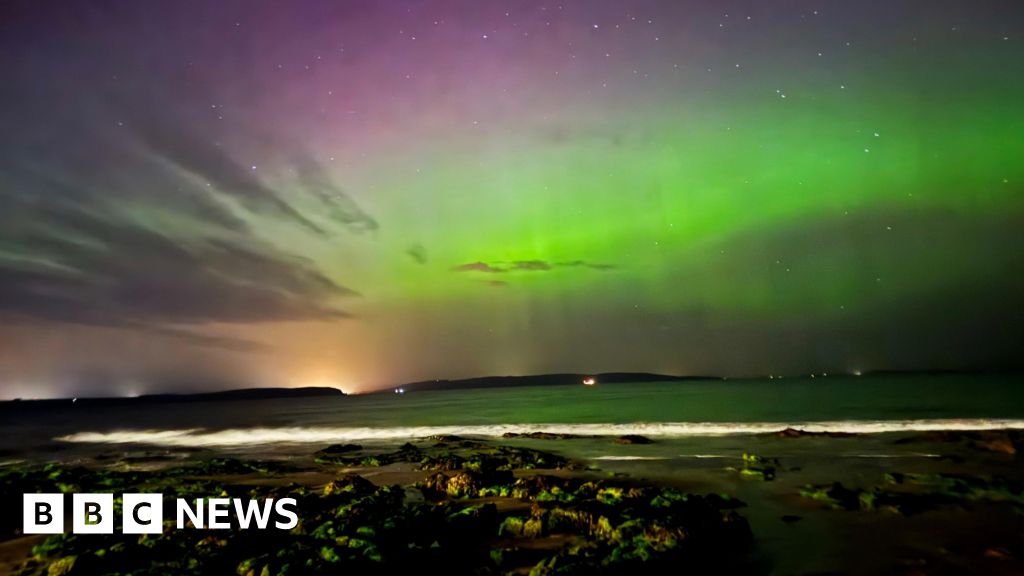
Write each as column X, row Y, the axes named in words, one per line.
column 474, row 508
column 790, row 502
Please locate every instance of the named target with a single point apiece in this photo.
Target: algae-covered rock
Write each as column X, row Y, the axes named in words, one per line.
column 446, row 438
column 765, row 474
column 913, row 493
column 541, row 435
column 458, row 485
column 352, row 526
column 531, row 486
column 798, row 433
column 835, row 495
column 350, row 484
column 340, row 449
column 512, row 526
column 61, row 566
column 963, row 486
column 757, row 467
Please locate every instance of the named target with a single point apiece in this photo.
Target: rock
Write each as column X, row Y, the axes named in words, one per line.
column 512, row 526
column 791, row 518
column 797, row 433
column 764, row 474
column 340, row 449
column 352, row 526
column 61, row 566
column 350, row 484
column 445, row 438
column 571, row 520
column 445, row 462
column 534, row 527
column 758, row 467
column 532, row 486
column 541, row 435
column 962, row 486
column 633, row 439
column 463, row 484
column 945, row 491
column 835, row 495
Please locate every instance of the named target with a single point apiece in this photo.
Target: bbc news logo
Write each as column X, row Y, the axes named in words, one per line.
column 144, row 513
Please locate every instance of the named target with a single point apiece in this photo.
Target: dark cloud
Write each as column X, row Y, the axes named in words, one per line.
column 132, row 213
column 533, row 265
column 584, row 264
column 341, row 208
column 418, row 253
column 528, row 266
column 195, row 338
column 74, row 264
column 197, row 153
column 478, row 267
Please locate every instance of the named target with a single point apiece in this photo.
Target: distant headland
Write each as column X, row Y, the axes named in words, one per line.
column 237, row 394
column 556, row 379
column 560, row 379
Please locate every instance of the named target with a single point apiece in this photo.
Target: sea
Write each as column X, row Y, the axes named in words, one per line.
column 706, row 417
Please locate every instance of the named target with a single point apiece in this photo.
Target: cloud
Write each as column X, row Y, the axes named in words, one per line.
column 478, row 267
column 533, row 265
column 529, row 266
column 74, row 264
column 584, row 264
column 189, row 143
column 137, row 217
column 341, row 208
column 418, row 253
column 198, row 153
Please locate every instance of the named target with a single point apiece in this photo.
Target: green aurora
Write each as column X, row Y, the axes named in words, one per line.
column 436, row 192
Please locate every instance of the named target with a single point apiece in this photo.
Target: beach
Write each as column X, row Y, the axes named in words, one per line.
column 836, row 495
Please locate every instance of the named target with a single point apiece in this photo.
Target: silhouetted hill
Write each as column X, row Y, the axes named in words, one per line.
column 542, row 380
column 238, row 394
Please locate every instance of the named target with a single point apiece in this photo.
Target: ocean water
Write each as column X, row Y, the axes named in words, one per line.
column 679, row 411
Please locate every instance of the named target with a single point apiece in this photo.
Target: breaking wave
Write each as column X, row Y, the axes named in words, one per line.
column 199, row 437
column 629, row 458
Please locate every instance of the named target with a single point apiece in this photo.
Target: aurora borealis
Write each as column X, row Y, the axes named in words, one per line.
column 209, row 194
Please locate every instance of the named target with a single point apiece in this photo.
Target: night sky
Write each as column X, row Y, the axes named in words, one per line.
column 199, row 195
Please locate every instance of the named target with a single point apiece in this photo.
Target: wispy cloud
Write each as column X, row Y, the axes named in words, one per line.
column 478, row 267
column 418, row 253
column 198, row 154
column 75, row 264
column 341, row 208
column 502, row 267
